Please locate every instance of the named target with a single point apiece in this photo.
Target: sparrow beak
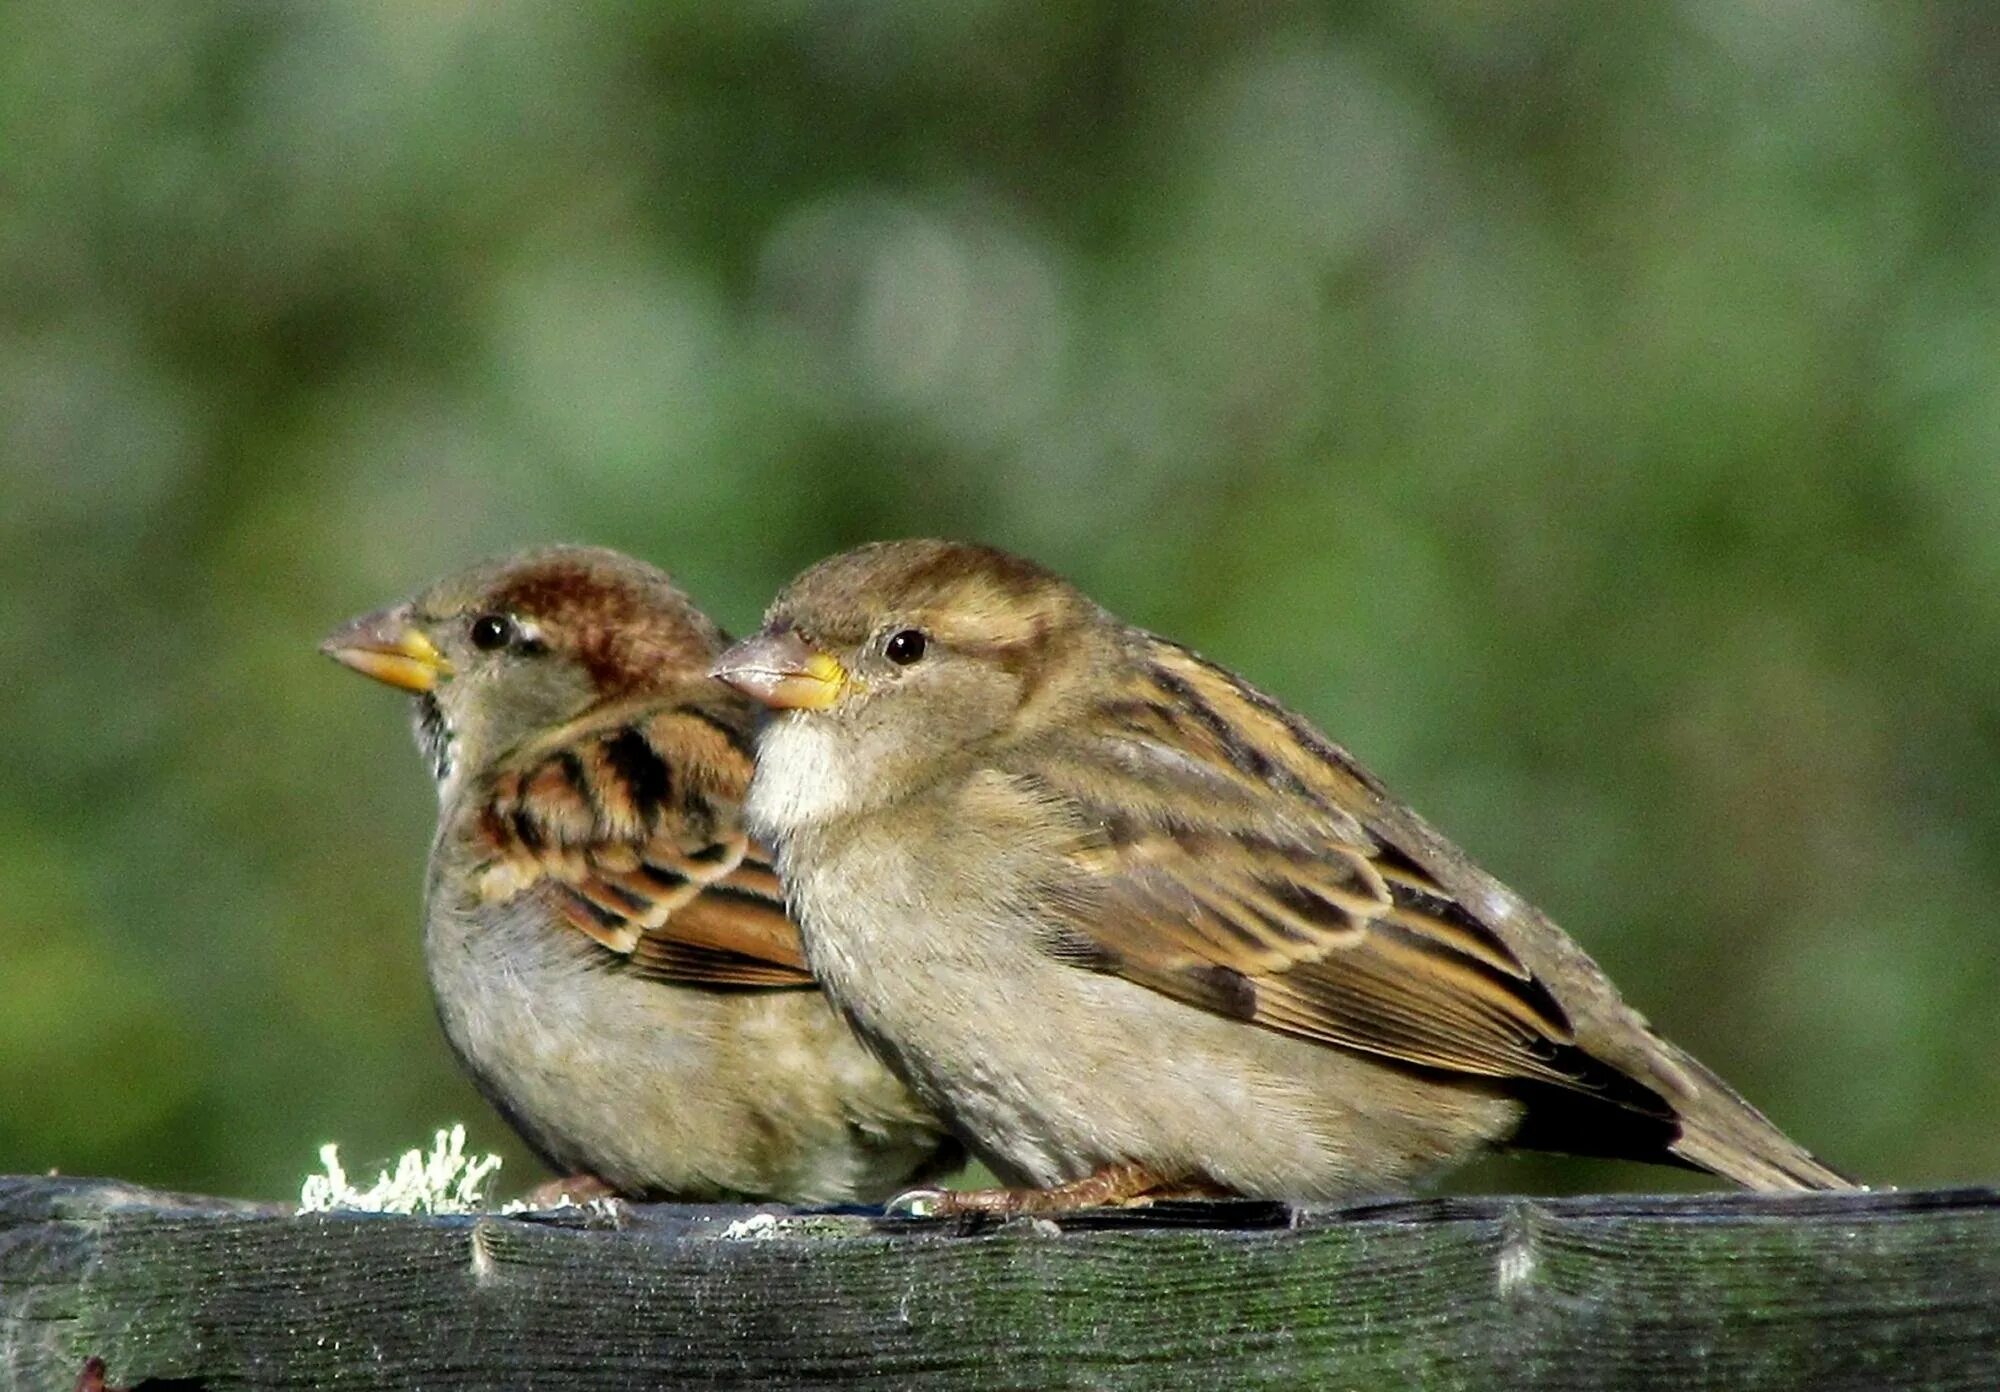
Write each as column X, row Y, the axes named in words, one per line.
column 385, row 645
column 783, row 671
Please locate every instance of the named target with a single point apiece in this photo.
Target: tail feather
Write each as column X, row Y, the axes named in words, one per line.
column 1725, row 1135
column 1682, row 1114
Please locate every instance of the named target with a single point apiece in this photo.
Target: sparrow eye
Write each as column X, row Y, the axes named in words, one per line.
column 490, row 631
column 905, row 647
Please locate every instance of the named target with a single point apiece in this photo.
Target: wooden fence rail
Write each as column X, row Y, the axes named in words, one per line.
column 1875, row 1291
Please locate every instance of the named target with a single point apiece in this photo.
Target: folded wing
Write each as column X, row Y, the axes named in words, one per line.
column 631, row 818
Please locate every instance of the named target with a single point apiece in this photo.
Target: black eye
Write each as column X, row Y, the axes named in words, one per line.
column 490, row 631
column 905, row 647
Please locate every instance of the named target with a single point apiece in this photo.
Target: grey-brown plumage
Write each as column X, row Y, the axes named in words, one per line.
column 609, row 951
column 1114, row 912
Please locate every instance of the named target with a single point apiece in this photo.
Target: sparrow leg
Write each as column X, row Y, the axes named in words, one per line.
column 1110, row 1187
column 1196, row 1189
column 91, row 1379
column 576, row 1189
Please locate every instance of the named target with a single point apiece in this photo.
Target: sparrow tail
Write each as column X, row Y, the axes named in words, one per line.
column 1726, row 1136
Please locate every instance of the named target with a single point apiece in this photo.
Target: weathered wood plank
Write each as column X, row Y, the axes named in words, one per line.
column 1875, row 1291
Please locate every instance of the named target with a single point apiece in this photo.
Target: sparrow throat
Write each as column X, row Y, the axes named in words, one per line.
column 434, row 736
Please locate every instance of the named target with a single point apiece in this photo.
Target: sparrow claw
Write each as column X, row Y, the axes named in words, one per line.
column 920, row 1203
column 572, row 1191
column 953, row 1203
column 1114, row 1186
column 92, row 1377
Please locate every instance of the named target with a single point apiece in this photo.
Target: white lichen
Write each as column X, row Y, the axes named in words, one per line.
column 446, row 1180
column 752, row 1229
column 602, row 1209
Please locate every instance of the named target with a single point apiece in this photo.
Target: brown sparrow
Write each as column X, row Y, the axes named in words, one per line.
column 1134, row 929
column 609, row 952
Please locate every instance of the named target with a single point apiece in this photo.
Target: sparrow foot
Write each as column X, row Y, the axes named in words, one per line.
column 1111, row 1187
column 573, row 1191
column 91, row 1379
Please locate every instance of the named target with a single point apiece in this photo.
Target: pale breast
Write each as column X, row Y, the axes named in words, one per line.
column 804, row 778
column 1050, row 1071
column 665, row 1089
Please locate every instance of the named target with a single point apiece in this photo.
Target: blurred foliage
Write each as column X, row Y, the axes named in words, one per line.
column 1590, row 414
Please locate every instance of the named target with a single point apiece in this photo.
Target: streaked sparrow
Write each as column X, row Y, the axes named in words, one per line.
column 1134, row 928
column 608, row 950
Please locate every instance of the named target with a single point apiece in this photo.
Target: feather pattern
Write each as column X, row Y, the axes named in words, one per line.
column 1106, row 802
column 628, row 817
column 1240, row 880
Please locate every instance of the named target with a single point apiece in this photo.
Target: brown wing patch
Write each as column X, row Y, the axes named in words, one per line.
column 1257, row 891
column 1313, row 945
column 632, row 817
column 1423, row 906
column 701, row 966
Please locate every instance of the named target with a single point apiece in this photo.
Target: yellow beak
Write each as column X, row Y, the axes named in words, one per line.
column 385, row 645
column 783, row 671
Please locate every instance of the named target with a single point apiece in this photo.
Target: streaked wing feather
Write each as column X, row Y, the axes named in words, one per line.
column 1311, row 959
column 631, row 815
column 687, row 964
column 1304, row 920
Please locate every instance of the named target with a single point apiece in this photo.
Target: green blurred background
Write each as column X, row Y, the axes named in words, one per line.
column 1590, row 414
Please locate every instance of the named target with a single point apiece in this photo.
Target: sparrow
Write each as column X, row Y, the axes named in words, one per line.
column 1135, row 929
column 608, row 950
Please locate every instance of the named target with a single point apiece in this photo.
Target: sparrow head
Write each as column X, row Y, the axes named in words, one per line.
column 509, row 648
column 894, row 662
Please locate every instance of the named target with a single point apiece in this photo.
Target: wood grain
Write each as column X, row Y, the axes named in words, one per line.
column 1874, row 1291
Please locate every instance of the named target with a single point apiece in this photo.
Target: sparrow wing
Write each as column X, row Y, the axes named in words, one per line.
column 1209, row 861
column 631, row 816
